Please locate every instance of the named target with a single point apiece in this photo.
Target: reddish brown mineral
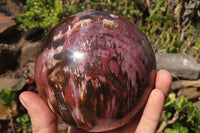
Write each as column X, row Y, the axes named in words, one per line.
column 95, row 70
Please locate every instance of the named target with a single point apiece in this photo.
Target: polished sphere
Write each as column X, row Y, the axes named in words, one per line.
column 95, row 70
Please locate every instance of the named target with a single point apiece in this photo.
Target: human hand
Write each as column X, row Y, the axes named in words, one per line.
column 44, row 121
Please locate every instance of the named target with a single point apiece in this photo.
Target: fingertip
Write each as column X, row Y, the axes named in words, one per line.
column 163, row 81
column 24, row 97
column 42, row 119
column 165, row 75
column 165, row 72
column 21, row 99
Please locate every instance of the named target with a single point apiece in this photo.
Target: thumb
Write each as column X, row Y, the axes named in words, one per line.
column 42, row 119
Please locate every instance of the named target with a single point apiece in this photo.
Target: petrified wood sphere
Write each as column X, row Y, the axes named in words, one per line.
column 95, row 70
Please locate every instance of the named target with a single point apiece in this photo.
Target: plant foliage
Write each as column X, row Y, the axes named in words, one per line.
column 7, row 97
column 40, row 13
column 23, row 122
column 180, row 116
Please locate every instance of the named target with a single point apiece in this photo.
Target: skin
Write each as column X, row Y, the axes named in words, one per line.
column 44, row 121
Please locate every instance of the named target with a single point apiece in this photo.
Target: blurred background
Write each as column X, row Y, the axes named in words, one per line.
column 172, row 27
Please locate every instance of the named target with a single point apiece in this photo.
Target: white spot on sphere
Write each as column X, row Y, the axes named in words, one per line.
column 108, row 22
column 56, row 37
column 114, row 16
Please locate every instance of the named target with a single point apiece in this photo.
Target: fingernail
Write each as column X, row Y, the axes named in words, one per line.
column 22, row 101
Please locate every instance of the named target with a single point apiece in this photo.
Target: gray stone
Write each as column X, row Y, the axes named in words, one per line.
column 189, row 93
column 29, row 52
column 15, row 83
column 185, row 84
column 31, row 69
column 181, row 65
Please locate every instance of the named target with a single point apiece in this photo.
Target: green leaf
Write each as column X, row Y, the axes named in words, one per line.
column 197, row 45
column 179, row 128
column 159, row 3
column 23, row 121
column 169, row 115
column 184, row 129
column 7, row 96
column 183, row 101
column 168, row 130
column 170, row 101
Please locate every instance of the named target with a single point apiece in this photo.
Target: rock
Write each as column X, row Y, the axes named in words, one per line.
column 15, row 83
column 9, row 10
column 197, row 104
column 6, row 24
column 29, row 52
column 28, row 57
column 181, row 65
column 15, row 7
column 11, row 7
column 5, row 111
column 31, row 69
column 185, row 84
column 189, row 93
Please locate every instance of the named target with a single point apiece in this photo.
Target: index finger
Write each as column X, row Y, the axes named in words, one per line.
column 153, row 109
